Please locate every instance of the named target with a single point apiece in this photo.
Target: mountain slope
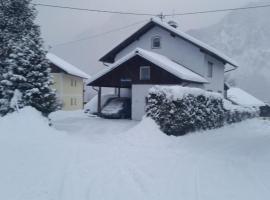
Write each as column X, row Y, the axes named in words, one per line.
column 244, row 36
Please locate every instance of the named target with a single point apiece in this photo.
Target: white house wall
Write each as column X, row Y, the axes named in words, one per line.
column 173, row 47
column 139, row 94
column 181, row 51
column 216, row 83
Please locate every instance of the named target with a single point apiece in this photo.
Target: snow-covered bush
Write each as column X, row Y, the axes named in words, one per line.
column 179, row 110
column 265, row 111
column 236, row 113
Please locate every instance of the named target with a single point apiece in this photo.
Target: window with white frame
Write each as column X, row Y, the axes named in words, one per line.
column 144, row 73
column 156, row 42
column 73, row 101
column 73, row 83
column 210, row 67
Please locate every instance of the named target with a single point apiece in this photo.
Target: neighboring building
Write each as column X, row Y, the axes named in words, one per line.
column 160, row 54
column 241, row 97
column 68, row 82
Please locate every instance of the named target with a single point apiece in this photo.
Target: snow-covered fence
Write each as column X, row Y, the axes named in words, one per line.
column 179, row 110
column 265, row 111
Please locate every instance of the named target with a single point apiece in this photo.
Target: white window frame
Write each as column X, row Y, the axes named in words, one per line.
column 141, row 73
column 210, row 69
column 73, row 101
column 152, row 42
column 73, row 83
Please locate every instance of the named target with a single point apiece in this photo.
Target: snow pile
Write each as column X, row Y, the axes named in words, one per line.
column 243, row 98
column 33, row 155
column 147, row 133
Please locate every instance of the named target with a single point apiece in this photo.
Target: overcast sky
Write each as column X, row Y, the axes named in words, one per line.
column 60, row 26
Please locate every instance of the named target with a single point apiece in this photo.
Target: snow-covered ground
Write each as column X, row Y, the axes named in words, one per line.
column 90, row 158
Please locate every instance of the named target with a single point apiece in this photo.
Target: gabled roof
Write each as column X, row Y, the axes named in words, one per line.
column 109, row 57
column 65, row 66
column 159, row 60
column 243, row 98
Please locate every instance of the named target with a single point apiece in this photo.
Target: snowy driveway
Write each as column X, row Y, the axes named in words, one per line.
column 112, row 160
column 229, row 163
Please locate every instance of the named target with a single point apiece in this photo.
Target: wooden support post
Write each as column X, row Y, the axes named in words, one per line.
column 99, row 101
column 119, row 92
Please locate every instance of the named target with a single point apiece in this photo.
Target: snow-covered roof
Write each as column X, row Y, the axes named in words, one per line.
column 174, row 68
column 195, row 41
column 243, row 98
column 67, row 67
column 177, row 32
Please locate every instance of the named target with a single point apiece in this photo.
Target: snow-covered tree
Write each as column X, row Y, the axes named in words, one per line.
column 23, row 64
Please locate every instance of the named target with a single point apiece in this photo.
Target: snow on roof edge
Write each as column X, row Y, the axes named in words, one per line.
column 67, row 67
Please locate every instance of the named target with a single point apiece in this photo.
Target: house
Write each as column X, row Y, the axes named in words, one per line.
column 160, row 54
column 243, row 98
column 68, row 82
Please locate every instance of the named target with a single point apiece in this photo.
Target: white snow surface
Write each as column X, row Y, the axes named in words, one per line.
column 243, row 98
column 159, row 60
column 67, row 67
column 91, row 158
column 179, row 92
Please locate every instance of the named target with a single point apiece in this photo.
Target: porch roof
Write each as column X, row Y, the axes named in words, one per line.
column 163, row 62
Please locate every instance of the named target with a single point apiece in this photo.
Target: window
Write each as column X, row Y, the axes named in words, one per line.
column 73, row 83
column 156, row 42
column 73, row 101
column 210, row 70
column 145, row 73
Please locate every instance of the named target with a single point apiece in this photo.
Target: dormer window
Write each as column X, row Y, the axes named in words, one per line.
column 156, row 42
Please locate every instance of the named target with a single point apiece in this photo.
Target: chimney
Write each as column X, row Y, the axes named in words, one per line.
column 173, row 24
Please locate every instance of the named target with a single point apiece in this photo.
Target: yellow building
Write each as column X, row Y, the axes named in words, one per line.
column 68, row 82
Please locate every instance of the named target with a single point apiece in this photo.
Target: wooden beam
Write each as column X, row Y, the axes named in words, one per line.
column 119, row 92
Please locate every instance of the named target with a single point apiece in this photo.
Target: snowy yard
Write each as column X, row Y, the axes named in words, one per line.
column 90, row 158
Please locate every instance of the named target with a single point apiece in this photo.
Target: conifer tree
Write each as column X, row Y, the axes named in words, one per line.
column 23, row 64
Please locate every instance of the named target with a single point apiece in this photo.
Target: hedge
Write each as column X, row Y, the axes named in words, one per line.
column 180, row 110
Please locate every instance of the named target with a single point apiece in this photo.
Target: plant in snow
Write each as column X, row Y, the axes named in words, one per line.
column 179, row 110
column 23, row 65
column 16, row 100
